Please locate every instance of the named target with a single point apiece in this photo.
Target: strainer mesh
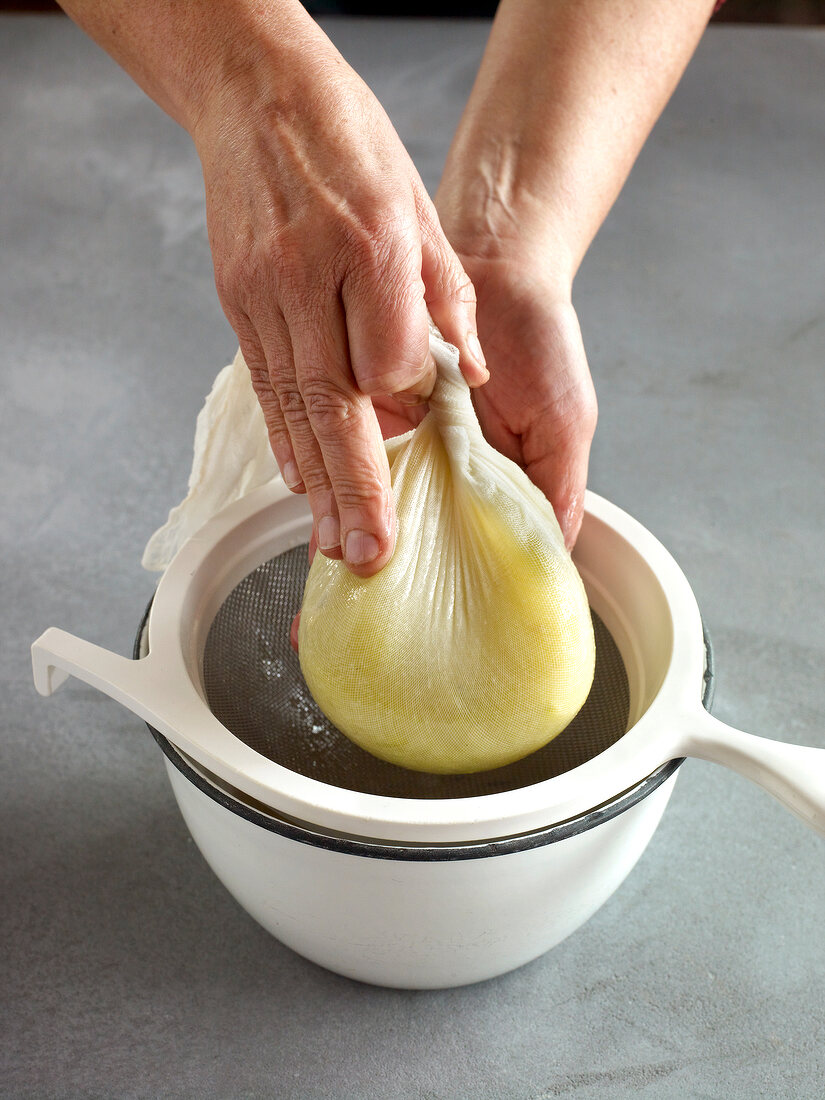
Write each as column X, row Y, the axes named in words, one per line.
column 253, row 684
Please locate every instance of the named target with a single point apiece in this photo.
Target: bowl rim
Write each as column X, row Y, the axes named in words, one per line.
column 305, row 833
column 166, row 687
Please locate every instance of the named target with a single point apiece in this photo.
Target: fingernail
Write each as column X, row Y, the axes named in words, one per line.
column 292, row 475
column 474, row 347
column 407, row 398
column 329, row 533
column 361, row 547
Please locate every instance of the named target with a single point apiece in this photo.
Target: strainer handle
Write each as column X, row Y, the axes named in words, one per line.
column 56, row 655
column 157, row 690
column 793, row 774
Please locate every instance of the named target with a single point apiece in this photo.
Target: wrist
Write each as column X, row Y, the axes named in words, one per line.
column 493, row 224
column 256, row 65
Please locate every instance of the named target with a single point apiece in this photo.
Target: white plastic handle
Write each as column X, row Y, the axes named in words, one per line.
column 793, row 774
column 56, row 655
column 162, row 694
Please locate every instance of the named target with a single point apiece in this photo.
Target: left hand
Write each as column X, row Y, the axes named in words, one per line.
column 539, row 406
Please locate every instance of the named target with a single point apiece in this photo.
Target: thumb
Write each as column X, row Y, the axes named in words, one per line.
column 451, row 299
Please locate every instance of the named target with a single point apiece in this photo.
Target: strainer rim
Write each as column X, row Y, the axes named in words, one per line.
column 405, row 851
column 245, row 533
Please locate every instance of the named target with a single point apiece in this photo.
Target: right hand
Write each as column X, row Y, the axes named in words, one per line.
column 539, row 407
column 328, row 254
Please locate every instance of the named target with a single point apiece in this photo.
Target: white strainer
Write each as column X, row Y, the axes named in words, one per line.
column 218, row 684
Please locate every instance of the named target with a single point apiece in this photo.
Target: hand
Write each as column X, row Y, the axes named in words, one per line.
column 328, row 254
column 539, row 407
column 394, row 418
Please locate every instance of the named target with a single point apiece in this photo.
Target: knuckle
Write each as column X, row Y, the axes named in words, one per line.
column 267, row 399
column 315, row 478
column 234, row 274
column 329, row 409
column 274, row 267
column 389, row 219
column 382, row 244
column 259, row 376
column 286, row 260
column 324, row 405
column 271, row 409
column 388, row 375
column 361, row 491
column 463, row 291
column 292, row 404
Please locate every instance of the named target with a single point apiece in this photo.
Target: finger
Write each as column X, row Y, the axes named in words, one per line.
column 410, row 398
column 331, row 551
column 386, row 316
column 553, row 449
column 329, row 413
column 561, row 474
column 293, row 443
column 556, row 450
column 260, row 374
column 451, row 298
column 396, row 418
column 310, row 462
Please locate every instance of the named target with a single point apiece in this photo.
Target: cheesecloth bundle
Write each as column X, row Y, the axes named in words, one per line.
column 474, row 645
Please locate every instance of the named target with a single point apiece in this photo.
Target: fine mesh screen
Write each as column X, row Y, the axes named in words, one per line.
column 254, row 686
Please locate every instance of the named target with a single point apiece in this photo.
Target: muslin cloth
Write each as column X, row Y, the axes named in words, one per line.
column 474, row 645
column 231, row 457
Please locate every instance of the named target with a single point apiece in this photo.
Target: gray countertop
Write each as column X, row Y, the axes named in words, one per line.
column 127, row 970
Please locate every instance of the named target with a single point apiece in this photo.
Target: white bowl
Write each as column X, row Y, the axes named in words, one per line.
column 438, row 892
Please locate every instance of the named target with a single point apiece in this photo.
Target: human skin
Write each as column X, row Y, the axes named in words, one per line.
column 565, row 98
column 328, row 251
